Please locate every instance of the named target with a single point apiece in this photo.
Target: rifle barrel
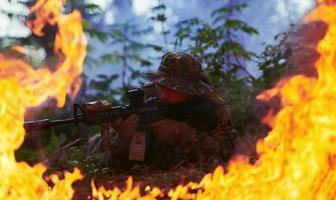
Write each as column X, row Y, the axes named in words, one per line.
column 47, row 123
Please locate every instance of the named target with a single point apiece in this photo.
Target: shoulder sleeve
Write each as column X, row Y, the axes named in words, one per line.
column 224, row 133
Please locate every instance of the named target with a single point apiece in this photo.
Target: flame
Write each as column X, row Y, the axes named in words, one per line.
column 298, row 157
column 22, row 86
column 129, row 193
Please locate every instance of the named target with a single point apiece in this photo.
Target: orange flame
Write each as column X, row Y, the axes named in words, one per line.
column 298, row 157
column 22, row 87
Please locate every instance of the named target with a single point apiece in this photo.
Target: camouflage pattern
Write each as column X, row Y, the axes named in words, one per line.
column 171, row 142
column 216, row 145
column 181, row 72
column 179, row 141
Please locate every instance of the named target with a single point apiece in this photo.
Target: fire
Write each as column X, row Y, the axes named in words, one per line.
column 22, row 86
column 298, row 157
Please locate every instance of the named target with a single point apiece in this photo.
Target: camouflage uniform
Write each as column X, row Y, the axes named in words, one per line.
column 170, row 142
column 174, row 141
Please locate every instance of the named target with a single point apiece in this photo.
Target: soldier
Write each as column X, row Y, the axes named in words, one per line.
column 180, row 78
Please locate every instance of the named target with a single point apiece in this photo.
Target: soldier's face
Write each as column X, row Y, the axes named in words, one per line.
column 171, row 96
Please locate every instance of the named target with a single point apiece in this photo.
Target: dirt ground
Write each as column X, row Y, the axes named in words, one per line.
column 164, row 179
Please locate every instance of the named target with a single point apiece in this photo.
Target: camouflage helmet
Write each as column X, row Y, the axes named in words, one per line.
column 183, row 73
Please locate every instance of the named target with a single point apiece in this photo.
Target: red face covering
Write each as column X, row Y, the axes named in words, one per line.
column 171, row 96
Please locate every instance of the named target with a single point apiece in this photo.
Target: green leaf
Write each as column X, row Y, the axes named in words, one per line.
column 101, row 85
column 195, row 21
column 240, row 25
column 219, row 18
column 161, row 17
column 26, row 154
column 91, row 8
column 159, row 7
column 144, row 62
column 249, row 30
column 234, row 23
column 102, row 76
column 94, row 33
column 135, row 46
column 143, row 31
column 91, row 62
column 224, row 9
column 117, row 35
column 229, row 9
column 155, row 47
column 109, row 58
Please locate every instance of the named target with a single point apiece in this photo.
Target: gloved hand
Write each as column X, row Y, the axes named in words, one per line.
column 125, row 128
column 128, row 139
column 173, row 133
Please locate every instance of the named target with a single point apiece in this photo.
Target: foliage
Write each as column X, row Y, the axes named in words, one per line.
column 160, row 17
column 272, row 62
column 216, row 45
column 27, row 154
column 126, row 55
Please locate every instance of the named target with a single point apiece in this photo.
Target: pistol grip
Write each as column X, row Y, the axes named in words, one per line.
column 106, row 137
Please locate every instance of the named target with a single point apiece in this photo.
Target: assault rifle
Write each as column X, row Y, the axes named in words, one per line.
column 195, row 111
